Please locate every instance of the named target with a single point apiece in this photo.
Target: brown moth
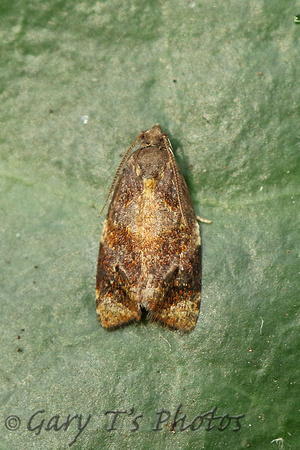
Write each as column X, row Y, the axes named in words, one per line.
column 150, row 250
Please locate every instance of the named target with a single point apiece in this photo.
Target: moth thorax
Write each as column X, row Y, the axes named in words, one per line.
column 151, row 163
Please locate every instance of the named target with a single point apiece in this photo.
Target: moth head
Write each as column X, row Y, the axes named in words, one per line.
column 153, row 136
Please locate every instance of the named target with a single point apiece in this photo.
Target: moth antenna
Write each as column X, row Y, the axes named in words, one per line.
column 176, row 176
column 116, row 177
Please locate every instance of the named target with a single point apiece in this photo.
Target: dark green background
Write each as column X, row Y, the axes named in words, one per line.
column 233, row 118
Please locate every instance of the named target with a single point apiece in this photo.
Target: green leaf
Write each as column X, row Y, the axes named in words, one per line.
column 79, row 81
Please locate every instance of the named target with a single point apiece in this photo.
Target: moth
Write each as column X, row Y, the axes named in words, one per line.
column 150, row 250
